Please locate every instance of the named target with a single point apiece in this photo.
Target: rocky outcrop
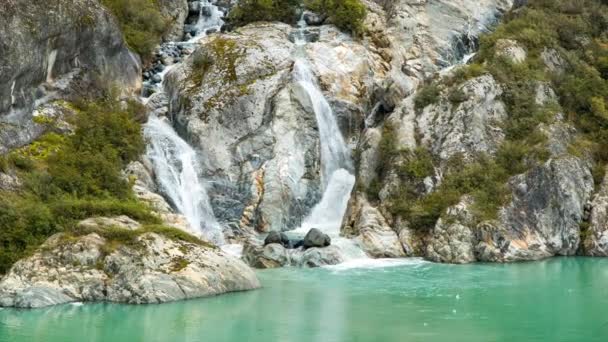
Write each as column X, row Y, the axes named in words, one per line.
column 595, row 241
column 176, row 11
column 150, row 269
column 466, row 120
column 544, row 216
column 510, row 50
column 369, row 228
column 452, row 239
column 53, row 48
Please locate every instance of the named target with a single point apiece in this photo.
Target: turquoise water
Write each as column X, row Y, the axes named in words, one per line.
column 563, row 299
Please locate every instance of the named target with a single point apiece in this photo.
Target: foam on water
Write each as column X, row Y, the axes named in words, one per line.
column 368, row 263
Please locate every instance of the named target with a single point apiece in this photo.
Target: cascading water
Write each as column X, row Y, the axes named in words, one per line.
column 336, row 166
column 175, row 164
column 209, row 19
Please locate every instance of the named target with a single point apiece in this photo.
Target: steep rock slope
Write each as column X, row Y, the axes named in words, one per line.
column 481, row 164
column 236, row 101
column 51, row 48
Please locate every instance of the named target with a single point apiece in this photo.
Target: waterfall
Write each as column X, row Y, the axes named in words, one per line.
column 174, row 161
column 336, row 165
column 175, row 166
column 209, row 19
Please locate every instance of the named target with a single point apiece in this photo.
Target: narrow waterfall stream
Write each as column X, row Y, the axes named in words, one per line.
column 336, row 165
column 174, row 161
column 175, row 166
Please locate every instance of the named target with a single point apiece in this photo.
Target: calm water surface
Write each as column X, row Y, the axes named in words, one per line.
column 563, row 299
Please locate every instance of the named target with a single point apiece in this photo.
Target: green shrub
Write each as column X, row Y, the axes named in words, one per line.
column 347, row 15
column 70, row 178
column 427, row 95
column 105, row 140
column 141, row 22
column 248, row 11
column 24, row 224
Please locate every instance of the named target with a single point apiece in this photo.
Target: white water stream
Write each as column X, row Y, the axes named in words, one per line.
column 175, row 162
column 336, row 164
column 175, row 166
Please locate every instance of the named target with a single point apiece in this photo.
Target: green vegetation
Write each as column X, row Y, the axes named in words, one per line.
column 141, row 22
column 427, row 95
column 248, row 11
column 69, row 178
column 577, row 30
column 347, row 15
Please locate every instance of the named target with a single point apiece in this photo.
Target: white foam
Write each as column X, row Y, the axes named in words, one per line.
column 77, row 304
column 368, row 263
column 233, row 249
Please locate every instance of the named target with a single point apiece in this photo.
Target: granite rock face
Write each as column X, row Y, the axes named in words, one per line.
column 235, row 100
column 467, row 128
column 452, row 240
column 155, row 270
column 596, row 237
column 47, row 50
column 544, row 216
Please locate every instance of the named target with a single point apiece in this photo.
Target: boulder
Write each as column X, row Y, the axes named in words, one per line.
column 316, row 238
column 151, row 269
column 313, row 19
column 511, row 50
column 277, row 237
column 274, row 255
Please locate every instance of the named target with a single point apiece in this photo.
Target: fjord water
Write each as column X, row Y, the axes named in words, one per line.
column 562, row 299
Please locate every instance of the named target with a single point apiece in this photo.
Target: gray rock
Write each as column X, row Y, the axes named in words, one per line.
column 467, row 128
column 313, row 19
column 452, row 240
column 275, row 255
column 176, row 11
column 596, row 237
column 68, row 42
column 122, row 221
column 316, row 238
column 156, row 270
column 277, row 237
column 370, row 229
column 554, row 61
column 543, row 218
column 511, row 50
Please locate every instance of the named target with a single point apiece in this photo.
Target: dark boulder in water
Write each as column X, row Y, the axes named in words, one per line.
column 277, row 237
column 316, row 238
